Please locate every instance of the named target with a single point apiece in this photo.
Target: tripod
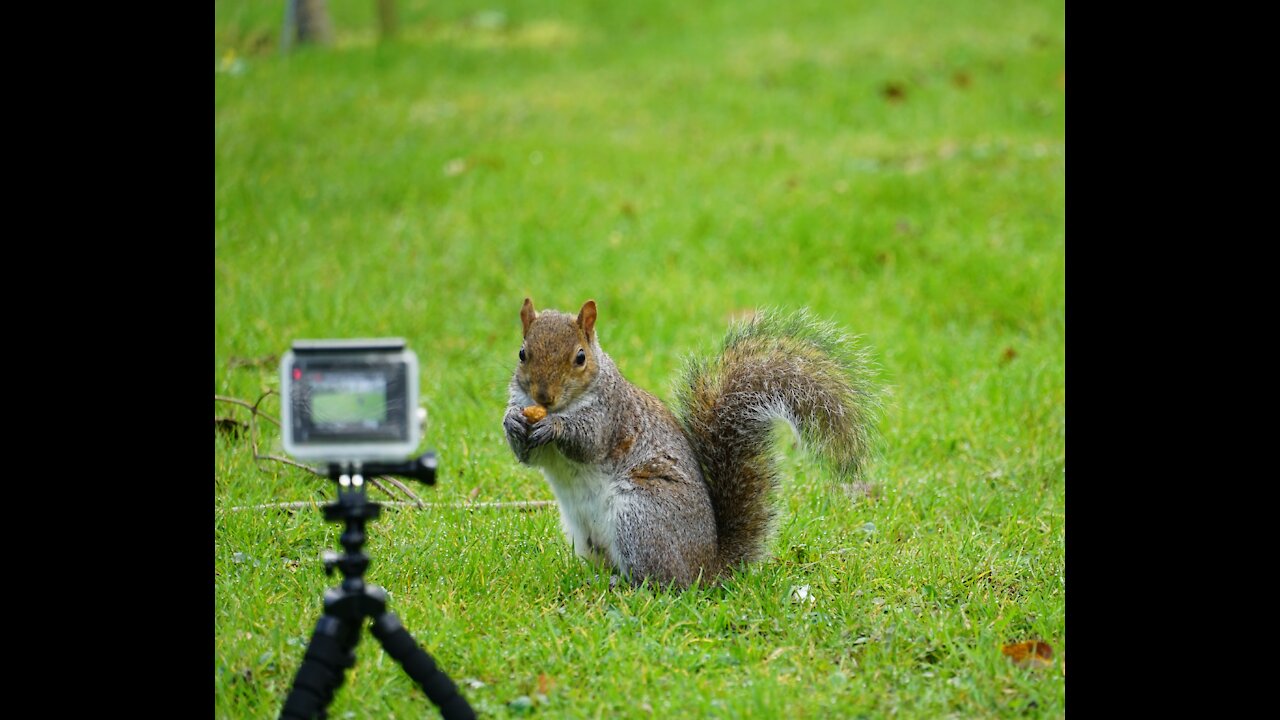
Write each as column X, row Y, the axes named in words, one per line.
column 331, row 650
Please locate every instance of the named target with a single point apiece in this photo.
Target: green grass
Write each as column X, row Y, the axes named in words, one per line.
column 897, row 168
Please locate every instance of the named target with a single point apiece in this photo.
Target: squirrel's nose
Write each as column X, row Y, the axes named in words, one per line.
column 542, row 396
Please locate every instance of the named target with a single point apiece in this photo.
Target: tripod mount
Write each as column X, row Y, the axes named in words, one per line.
column 331, row 650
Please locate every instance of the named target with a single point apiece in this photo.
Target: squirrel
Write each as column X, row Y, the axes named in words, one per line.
column 682, row 497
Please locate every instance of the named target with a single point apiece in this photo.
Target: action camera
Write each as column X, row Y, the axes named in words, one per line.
column 350, row 400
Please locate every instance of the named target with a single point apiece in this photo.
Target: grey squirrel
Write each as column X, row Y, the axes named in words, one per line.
column 678, row 497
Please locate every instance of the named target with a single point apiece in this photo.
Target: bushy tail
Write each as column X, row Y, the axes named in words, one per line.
column 775, row 365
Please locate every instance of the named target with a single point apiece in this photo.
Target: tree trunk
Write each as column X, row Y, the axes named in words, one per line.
column 306, row 21
column 387, row 21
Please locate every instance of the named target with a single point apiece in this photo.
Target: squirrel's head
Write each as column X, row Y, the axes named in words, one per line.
column 558, row 356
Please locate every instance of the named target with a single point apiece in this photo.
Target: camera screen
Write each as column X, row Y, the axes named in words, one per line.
column 348, row 400
column 349, row 403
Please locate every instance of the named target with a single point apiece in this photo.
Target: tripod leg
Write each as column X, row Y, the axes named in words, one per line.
column 420, row 666
column 329, row 654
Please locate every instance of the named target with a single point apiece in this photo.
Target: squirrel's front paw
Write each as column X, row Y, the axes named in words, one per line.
column 517, row 431
column 545, row 431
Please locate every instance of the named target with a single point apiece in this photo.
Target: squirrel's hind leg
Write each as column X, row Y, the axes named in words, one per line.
column 666, row 537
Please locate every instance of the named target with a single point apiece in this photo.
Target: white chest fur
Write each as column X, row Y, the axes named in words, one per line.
column 587, row 503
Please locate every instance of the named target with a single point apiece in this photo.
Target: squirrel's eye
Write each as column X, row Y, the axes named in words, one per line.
column 522, row 358
column 582, row 357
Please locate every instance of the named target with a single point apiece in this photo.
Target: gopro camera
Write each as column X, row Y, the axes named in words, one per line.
column 350, row 400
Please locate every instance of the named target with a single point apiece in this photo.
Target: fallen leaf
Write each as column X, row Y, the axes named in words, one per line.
column 1008, row 354
column 489, row 161
column 1031, row 653
column 545, row 683
column 229, row 426
column 894, row 92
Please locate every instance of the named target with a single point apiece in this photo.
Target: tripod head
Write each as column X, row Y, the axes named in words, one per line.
column 354, row 509
column 421, row 468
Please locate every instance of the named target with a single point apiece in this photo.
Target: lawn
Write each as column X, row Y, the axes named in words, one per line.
column 898, row 169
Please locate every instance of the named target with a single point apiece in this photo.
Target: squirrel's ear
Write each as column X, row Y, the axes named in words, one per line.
column 587, row 320
column 527, row 315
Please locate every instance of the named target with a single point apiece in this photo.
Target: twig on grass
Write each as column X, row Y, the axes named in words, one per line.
column 374, row 482
column 253, row 407
column 403, row 488
column 287, row 461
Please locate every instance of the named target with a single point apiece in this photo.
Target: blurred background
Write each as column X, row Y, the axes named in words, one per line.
column 898, row 168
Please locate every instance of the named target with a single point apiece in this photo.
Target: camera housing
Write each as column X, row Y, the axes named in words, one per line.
column 350, row 400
